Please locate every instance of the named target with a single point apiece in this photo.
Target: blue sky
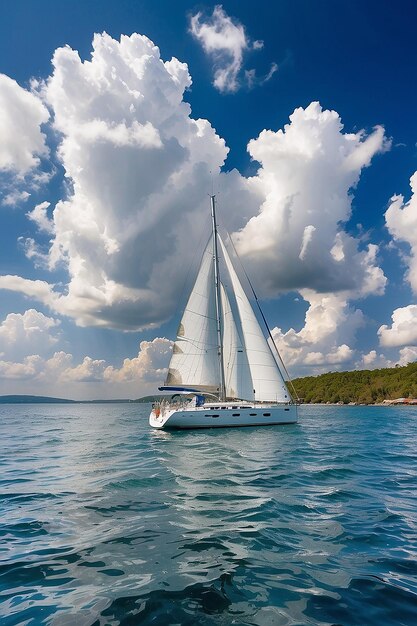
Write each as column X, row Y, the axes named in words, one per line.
column 114, row 160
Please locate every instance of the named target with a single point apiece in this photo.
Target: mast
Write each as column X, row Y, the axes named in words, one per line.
column 222, row 394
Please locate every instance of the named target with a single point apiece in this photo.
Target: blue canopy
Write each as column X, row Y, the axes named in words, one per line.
column 179, row 389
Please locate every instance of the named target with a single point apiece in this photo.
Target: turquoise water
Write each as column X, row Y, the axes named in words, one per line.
column 104, row 521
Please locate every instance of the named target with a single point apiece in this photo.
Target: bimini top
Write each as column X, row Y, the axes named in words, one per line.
column 179, row 389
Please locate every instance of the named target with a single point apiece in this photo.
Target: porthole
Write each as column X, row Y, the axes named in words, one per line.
column 253, row 414
column 236, row 415
column 267, row 414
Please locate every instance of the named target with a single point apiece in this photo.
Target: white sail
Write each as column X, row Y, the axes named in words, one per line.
column 195, row 362
column 238, row 380
column 267, row 382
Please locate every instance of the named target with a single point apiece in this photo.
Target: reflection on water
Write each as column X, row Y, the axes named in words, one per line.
column 107, row 522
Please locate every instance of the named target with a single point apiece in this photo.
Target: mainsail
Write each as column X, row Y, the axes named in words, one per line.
column 250, row 369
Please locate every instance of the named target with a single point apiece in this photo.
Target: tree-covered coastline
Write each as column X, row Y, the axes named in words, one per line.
column 359, row 386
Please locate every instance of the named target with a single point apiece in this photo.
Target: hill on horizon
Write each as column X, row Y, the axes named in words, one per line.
column 361, row 386
column 27, row 399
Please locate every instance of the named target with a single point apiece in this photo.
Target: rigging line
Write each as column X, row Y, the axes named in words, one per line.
column 263, row 317
column 207, row 317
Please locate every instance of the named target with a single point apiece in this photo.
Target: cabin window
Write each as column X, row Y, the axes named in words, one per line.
column 267, row 414
column 211, row 415
column 253, row 414
column 236, row 415
column 286, row 409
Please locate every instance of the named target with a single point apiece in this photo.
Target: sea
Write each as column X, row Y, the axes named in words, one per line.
column 104, row 521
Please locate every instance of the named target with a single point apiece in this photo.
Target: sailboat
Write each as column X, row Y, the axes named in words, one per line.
column 221, row 356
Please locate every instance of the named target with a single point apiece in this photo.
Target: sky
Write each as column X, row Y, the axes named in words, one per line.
column 118, row 119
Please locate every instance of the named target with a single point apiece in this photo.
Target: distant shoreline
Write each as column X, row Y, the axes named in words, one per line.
column 29, row 399
column 379, row 387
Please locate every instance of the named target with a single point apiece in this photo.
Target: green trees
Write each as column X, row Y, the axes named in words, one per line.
column 361, row 386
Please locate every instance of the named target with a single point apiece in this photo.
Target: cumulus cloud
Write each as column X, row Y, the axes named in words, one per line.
column 15, row 197
column 37, row 289
column 89, row 371
column 150, row 366
column 373, row 360
column 225, row 41
column 138, row 165
column 307, row 173
column 369, row 357
column 330, row 326
column 21, row 116
column 27, row 333
column 136, row 376
column 403, row 330
column 408, row 355
column 31, row 367
column 39, row 215
column 401, row 221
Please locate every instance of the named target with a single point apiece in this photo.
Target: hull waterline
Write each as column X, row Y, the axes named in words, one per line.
column 222, row 417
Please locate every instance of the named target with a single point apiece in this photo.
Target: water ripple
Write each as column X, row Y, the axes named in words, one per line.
column 105, row 522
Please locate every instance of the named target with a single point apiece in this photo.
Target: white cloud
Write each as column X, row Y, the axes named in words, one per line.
column 27, row 333
column 91, row 378
column 408, row 355
column 22, row 327
column 21, row 116
column 307, row 237
column 15, row 197
column 307, row 174
column 252, row 79
column 337, row 356
column 31, row 367
column 39, row 215
column 401, row 221
column 373, row 360
column 224, row 39
column 90, row 370
column 138, row 164
column 330, row 326
column 403, row 331
column 149, row 366
column 369, row 358
column 138, row 167
column 37, row 289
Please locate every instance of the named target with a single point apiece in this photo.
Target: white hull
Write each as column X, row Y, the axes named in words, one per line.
column 223, row 416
